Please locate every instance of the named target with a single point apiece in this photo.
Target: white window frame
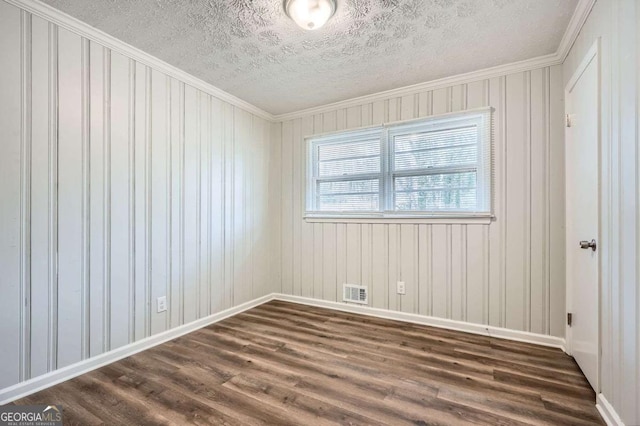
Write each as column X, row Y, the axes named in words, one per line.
column 484, row 178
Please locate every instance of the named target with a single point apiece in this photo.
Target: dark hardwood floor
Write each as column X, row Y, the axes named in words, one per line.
column 289, row 364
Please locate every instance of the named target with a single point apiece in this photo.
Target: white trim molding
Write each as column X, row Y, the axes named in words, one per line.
column 467, row 327
column 579, row 17
column 44, row 381
column 580, row 14
column 608, row 413
column 36, row 384
column 497, row 71
column 478, row 220
column 83, row 29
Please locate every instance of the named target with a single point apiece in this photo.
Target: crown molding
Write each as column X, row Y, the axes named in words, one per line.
column 85, row 30
column 497, row 71
column 579, row 17
column 580, row 14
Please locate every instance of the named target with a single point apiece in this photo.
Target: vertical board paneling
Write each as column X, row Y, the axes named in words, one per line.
column 248, row 208
column 238, row 206
column 287, row 207
column 393, row 255
column 191, row 197
column 440, row 274
column 329, row 262
column 379, row 251
column 296, row 204
column 160, row 197
column 120, row 198
column 538, row 199
column 318, row 261
column 70, row 200
column 408, row 267
column 475, row 297
column 97, row 206
column 261, row 215
column 10, row 194
column 204, row 218
column 497, row 232
column 26, row 197
column 274, row 246
column 366, row 256
column 354, row 254
column 119, row 185
column 341, row 258
column 141, row 265
column 39, row 198
column 516, row 232
column 306, row 231
column 499, row 274
column 424, row 269
column 457, row 264
column 556, row 294
column 174, row 297
column 217, row 206
column 229, row 136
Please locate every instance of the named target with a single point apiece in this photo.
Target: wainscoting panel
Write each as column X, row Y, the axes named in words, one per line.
column 119, row 184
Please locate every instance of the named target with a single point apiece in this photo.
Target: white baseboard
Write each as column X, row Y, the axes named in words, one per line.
column 607, row 411
column 485, row 330
column 36, row 384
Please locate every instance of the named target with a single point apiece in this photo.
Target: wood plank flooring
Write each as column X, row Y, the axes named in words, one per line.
column 288, row 364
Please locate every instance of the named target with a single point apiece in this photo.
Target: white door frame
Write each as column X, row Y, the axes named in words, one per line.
column 593, row 54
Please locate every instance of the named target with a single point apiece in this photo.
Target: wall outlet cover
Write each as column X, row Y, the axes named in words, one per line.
column 162, row 304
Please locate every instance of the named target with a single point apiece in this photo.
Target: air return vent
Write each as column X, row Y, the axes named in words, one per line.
column 355, row 293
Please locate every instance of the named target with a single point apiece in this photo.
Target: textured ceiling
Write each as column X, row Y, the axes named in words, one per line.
column 250, row 49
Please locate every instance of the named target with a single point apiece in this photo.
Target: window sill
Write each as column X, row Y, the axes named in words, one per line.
column 481, row 219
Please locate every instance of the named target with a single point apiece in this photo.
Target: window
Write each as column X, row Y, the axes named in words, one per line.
column 434, row 167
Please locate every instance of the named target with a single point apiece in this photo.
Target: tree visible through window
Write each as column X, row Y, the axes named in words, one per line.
column 434, row 166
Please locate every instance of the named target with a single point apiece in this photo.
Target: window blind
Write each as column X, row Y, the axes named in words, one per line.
column 434, row 166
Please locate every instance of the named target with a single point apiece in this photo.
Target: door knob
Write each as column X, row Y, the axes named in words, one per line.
column 588, row 244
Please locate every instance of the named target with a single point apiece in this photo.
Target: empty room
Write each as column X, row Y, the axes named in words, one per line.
column 319, row 212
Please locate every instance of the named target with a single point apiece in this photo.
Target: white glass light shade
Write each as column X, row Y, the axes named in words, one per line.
column 310, row 14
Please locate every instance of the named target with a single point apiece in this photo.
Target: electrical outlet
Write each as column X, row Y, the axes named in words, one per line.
column 401, row 289
column 162, row 303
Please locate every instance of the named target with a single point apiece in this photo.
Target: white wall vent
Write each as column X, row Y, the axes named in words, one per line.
column 355, row 293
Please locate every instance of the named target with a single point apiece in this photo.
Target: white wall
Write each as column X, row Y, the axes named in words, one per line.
column 507, row 274
column 615, row 22
column 118, row 184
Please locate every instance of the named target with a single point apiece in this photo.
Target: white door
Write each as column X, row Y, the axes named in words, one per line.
column 582, row 198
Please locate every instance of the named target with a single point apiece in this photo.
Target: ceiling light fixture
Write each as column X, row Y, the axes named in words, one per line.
column 310, row 14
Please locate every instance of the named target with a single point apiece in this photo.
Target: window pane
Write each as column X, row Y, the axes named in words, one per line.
column 348, row 202
column 349, row 149
column 348, row 187
column 439, row 148
column 436, row 139
column 352, row 166
column 360, row 195
column 450, row 191
column 456, row 157
column 349, row 158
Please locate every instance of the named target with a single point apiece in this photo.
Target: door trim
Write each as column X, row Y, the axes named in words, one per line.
column 592, row 54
